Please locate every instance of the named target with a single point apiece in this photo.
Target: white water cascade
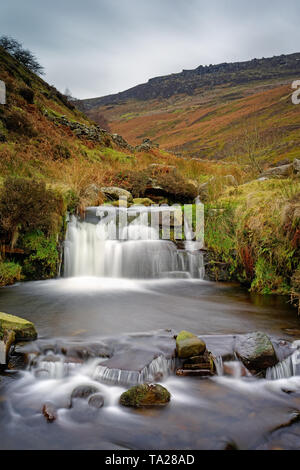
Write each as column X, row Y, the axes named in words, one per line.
column 102, row 249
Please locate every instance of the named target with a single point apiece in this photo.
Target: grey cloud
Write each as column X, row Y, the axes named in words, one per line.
column 98, row 47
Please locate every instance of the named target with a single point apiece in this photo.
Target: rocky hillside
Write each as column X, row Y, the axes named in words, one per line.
column 194, row 81
column 212, row 112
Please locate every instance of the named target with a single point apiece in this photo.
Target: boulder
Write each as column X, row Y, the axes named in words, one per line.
column 280, row 171
column 189, row 345
column 145, row 395
column 146, row 146
column 256, row 351
column 114, row 193
column 296, row 165
column 24, row 330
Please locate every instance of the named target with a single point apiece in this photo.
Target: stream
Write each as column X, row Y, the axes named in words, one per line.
column 110, row 322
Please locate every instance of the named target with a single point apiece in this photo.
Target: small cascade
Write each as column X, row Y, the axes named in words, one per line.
column 52, row 367
column 107, row 249
column 58, row 367
column 219, row 365
column 284, row 369
column 158, row 369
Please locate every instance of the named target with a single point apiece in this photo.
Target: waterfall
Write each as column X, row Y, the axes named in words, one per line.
column 157, row 370
column 107, row 249
column 219, row 365
column 284, row 369
column 58, row 368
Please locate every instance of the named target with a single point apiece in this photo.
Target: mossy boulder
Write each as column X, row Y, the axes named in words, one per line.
column 145, row 395
column 256, row 351
column 114, row 194
column 189, row 345
column 24, row 330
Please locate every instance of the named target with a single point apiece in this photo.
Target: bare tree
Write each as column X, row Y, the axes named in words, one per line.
column 24, row 56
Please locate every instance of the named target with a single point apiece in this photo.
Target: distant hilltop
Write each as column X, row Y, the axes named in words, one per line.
column 190, row 82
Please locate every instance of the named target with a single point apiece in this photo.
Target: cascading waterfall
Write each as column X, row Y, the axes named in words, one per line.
column 105, row 250
column 158, row 369
column 58, row 368
column 284, row 369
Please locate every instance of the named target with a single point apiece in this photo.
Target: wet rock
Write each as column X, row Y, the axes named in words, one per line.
column 194, row 373
column 96, row 401
column 204, row 362
column 50, row 412
column 17, row 362
column 114, row 193
column 8, row 339
column 189, row 345
column 24, row 330
column 256, row 351
column 85, row 351
column 2, row 353
column 145, row 395
column 84, row 391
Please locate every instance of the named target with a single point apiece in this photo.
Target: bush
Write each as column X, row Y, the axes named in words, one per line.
column 42, row 256
column 27, row 205
column 9, row 273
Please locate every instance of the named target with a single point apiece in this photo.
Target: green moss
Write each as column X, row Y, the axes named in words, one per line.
column 145, row 395
column 23, row 329
column 9, row 273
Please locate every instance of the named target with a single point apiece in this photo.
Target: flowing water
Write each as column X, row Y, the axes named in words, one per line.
column 109, row 323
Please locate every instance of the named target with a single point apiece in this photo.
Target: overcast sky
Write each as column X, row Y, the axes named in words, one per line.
column 98, row 47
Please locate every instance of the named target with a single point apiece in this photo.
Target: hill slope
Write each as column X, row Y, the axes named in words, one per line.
column 210, row 112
